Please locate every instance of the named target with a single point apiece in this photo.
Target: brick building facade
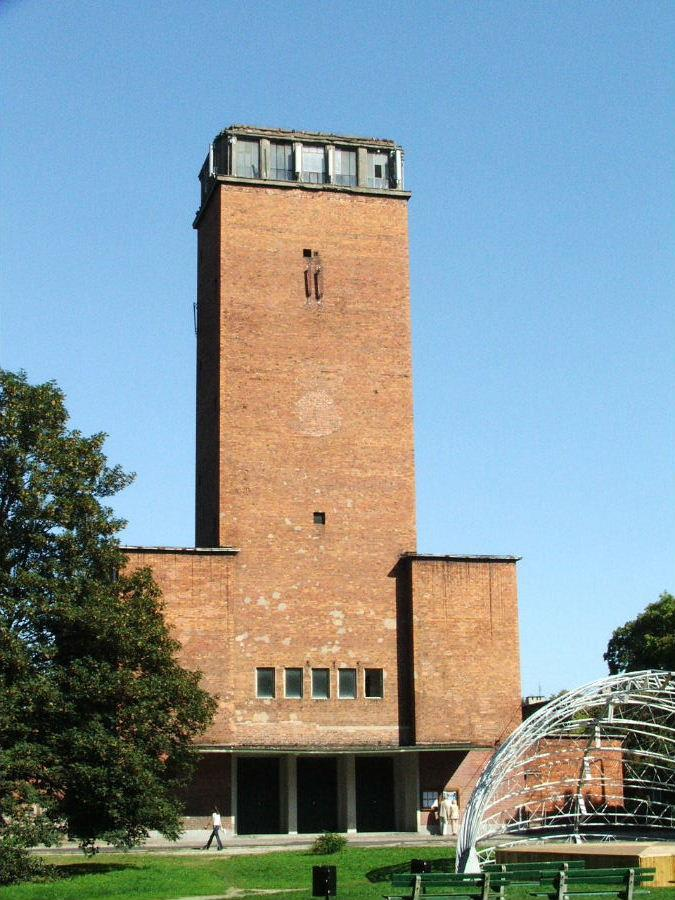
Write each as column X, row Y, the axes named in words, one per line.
column 355, row 677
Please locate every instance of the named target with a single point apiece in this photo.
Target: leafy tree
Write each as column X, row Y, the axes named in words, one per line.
column 648, row 642
column 96, row 716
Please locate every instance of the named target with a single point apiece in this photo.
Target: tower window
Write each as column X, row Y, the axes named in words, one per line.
column 345, row 167
column 247, row 159
column 374, row 683
column 347, row 684
column 307, row 253
column 293, row 687
column 313, row 165
column 281, row 162
column 320, row 684
column 265, row 684
column 378, row 170
column 319, row 518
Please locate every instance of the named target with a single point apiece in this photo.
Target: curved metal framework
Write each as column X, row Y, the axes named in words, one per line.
column 596, row 763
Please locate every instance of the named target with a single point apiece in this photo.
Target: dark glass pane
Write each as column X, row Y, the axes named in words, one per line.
column 294, row 683
column 320, row 684
column 374, row 683
column 347, row 683
column 265, row 683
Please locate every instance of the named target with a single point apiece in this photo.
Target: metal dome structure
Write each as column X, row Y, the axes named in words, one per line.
column 596, row 763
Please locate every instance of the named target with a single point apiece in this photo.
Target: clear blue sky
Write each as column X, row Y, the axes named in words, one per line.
column 539, row 141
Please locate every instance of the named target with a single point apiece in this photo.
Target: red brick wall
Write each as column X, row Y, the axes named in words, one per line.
column 558, row 765
column 196, row 590
column 465, row 650
column 315, row 416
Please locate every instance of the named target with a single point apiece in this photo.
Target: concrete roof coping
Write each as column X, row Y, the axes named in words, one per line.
column 205, row 551
column 324, row 137
column 431, row 557
column 338, row 750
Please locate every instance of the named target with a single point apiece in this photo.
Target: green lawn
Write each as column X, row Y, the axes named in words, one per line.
column 362, row 874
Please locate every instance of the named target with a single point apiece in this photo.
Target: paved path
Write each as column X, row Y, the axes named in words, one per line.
column 192, row 841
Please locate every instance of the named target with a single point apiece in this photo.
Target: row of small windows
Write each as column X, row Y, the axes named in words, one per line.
column 316, row 164
column 372, row 686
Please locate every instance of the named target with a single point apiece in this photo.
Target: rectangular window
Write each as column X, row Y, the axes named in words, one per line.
column 429, row 798
column 321, row 684
column 374, row 683
column 247, row 159
column 293, row 684
column 265, row 686
column 319, row 518
column 281, row 162
column 313, row 165
column 378, row 170
column 347, row 684
column 345, row 167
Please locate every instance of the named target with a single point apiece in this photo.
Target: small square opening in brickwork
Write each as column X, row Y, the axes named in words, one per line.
column 306, row 252
column 319, row 518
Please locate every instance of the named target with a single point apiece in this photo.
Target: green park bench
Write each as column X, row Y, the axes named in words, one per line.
column 532, row 873
column 447, row 886
column 623, row 883
column 542, row 866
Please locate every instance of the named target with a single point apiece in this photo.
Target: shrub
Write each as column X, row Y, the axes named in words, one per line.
column 16, row 864
column 329, row 843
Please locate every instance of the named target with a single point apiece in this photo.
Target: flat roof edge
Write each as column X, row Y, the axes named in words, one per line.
column 431, row 557
column 271, row 750
column 194, row 551
column 324, row 136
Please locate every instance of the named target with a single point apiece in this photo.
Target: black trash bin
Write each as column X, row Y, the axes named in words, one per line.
column 420, row 866
column 324, row 881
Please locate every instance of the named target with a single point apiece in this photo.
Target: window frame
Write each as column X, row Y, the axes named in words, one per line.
column 367, row 695
column 351, row 178
column 313, row 151
column 254, row 165
column 327, row 695
column 286, row 148
column 341, row 695
column 258, row 673
column 297, row 670
column 378, row 158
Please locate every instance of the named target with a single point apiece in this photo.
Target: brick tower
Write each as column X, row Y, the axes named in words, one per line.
column 355, row 677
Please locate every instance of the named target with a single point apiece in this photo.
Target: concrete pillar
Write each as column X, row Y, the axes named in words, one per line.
column 289, row 792
column 230, row 156
column 297, row 160
column 406, row 791
column 233, row 790
column 362, row 166
column 347, row 793
column 264, row 158
column 330, row 164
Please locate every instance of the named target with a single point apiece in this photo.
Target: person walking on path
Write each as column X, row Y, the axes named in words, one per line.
column 215, row 833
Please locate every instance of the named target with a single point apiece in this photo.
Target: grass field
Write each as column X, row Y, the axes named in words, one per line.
column 362, row 875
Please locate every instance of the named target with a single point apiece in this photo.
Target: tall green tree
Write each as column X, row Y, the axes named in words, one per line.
column 96, row 715
column 647, row 642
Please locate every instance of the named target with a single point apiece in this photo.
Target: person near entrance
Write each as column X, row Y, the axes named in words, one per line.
column 444, row 810
column 454, row 814
column 215, row 832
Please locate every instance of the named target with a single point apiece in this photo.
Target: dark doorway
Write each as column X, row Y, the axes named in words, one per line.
column 258, row 795
column 317, row 794
column 375, row 793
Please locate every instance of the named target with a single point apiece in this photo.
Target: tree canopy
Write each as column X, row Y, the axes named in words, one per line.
column 647, row 642
column 96, row 715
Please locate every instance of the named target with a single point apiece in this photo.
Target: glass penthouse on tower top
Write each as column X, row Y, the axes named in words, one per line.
column 303, row 158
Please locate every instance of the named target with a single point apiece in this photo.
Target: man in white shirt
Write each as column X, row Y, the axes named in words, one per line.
column 215, row 833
